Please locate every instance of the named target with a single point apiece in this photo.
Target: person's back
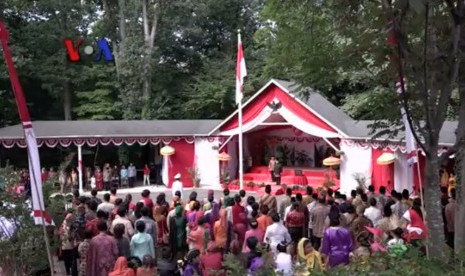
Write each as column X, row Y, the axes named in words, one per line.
column 211, row 262
column 319, row 214
column 122, row 242
column 142, row 243
column 283, row 261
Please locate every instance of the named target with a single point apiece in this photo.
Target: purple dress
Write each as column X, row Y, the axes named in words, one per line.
column 337, row 244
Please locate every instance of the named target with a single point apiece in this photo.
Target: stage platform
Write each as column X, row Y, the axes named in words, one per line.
column 314, row 177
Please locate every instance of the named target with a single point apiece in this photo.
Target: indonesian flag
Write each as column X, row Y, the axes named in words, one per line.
column 241, row 70
column 38, row 207
column 409, row 139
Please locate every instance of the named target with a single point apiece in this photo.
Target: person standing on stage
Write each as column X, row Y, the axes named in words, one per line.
column 132, row 173
column 278, row 168
column 146, row 175
column 271, row 166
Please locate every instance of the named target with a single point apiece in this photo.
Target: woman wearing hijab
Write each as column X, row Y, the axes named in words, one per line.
column 192, row 264
column 178, row 233
column 309, row 256
column 337, row 240
column 160, row 212
column 222, row 231
column 213, row 217
column 121, row 268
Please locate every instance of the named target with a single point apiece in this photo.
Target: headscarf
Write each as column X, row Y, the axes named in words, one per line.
column 215, row 213
column 207, row 206
column 223, row 218
column 313, row 259
column 178, row 211
column 121, row 268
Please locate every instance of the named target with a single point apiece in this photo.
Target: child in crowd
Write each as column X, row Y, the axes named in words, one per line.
column 283, row 261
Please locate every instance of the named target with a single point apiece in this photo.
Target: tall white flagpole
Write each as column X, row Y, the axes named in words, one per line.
column 241, row 149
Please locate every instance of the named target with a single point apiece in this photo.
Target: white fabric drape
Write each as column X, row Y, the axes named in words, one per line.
column 356, row 159
column 260, row 118
column 403, row 173
column 304, row 126
column 164, row 170
column 207, row 162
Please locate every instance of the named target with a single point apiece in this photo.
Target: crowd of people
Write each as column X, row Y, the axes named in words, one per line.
column 97, row 178
column 191, row 236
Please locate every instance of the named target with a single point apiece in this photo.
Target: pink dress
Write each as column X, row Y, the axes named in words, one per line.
column 252, row 233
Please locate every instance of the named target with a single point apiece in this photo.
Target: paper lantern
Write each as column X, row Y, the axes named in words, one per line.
column 167, row 151
column 224, row 156
column 331, row 161
column 386, row 158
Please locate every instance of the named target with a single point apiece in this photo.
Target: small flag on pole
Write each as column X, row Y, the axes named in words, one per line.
column 241, row 71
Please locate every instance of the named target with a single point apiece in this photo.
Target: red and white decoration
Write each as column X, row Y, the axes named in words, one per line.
column 92, row 142
column 38, row 206
column 258, row 110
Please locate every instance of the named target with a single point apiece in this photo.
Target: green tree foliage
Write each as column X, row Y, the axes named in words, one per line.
column 25, row 252
column 100, row 100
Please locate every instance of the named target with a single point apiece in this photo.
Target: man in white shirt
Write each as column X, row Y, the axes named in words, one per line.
column 276, row 233
column 132, row 173
column 106, row 206
column 310, row 207
column 373, row 213
column 177, row 185
column 122, row 219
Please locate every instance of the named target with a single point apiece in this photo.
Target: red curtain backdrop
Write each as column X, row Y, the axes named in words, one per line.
column 416, row 177
column 259, row 103
column 382, row 175
column 181, row 160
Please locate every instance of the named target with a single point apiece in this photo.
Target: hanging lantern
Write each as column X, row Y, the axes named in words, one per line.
column 223, row 156
column 331, row 161
column 386, row 158
column 167, row 151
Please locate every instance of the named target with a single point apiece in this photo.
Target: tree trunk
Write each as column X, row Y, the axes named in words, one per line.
column 149, row 42
column 459, row 242
column 433, row 204
column 67, row 101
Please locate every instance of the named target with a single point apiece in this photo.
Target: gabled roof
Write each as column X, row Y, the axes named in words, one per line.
column 114, row 129
column 315, row 103
column 323, row 107
column 446, row 136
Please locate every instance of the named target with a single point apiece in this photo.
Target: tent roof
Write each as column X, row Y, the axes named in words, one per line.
column 323, row 107
column 85, row 129
column 315, row 102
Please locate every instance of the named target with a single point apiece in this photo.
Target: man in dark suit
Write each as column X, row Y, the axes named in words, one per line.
column 278, row 168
